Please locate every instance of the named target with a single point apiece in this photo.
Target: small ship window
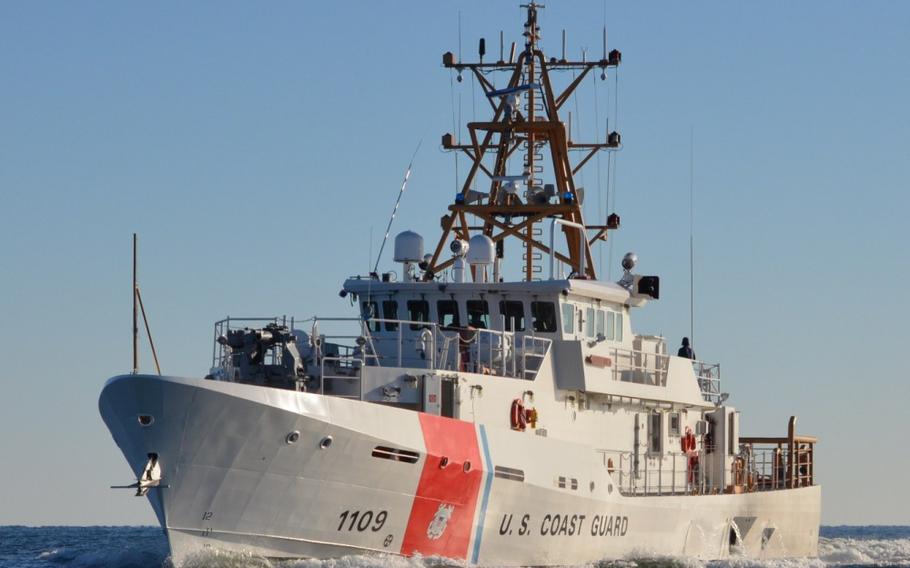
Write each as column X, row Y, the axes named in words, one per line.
column 574, row 484
column 370, row 312
column 568, row 318
column 514, row 313
column 618, row 327
column 395, row 454
column 543, row 316
column 600, row 326
column 390, row 312
column 447, row 311
column 418, row 310
column 509, row 473
column 589, row 322
column 611, row 325
column 478, row 314
column 561, row 482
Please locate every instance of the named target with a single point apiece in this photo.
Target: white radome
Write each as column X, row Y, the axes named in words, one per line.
column 408, row 247
column 481, row 250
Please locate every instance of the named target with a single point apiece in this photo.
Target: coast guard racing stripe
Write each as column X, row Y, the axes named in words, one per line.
column 444, row 505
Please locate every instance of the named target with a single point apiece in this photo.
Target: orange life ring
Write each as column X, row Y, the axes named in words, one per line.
column 517, row 417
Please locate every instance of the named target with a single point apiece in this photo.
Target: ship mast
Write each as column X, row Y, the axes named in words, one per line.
column 525, row 122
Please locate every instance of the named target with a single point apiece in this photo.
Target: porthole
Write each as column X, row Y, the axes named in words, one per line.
column 325, row 443
column 467, row 466
column 145, row 420
column 292, row 437
column 443, row 462
column 592, row 486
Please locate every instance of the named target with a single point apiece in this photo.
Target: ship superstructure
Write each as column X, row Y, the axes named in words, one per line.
column 465, row 415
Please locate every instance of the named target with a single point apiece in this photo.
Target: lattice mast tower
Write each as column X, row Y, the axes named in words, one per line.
column 515, row 204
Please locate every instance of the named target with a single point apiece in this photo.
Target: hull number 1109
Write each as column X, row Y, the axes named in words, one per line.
column 362, row 520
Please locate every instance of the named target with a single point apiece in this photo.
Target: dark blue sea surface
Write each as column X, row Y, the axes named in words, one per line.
column 146, row 547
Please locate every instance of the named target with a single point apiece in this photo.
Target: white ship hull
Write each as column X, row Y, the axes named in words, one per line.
column 231, row 480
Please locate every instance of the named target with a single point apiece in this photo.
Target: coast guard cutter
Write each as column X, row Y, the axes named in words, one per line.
column 464, row 412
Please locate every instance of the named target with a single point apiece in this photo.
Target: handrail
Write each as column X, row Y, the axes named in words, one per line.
column 496, row 351
column 582, row 242
column 777, row 440
column 651, row 364
column 708, row 376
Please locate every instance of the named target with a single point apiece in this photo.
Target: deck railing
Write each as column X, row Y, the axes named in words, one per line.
column 778, row 463
column 637, row 366
column 339, row 347
column 708, row 375
column 762, row 464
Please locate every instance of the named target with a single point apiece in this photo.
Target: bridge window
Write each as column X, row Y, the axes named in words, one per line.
column 514, row 313
column 589, row 322
column 390, row 312
column 478, row 314
column 543, row 316
column 601, row 325
column 568, row 318
column 619, row 327
column 447, row 310
column 371, row 311
column 611, row 325
column 418, row 310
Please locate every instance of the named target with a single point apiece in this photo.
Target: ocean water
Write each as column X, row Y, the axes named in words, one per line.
column 145, row 547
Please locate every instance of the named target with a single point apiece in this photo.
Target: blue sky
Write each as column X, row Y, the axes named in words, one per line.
column 255, row 147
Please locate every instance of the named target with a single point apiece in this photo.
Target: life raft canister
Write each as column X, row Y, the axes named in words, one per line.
column 517, row 417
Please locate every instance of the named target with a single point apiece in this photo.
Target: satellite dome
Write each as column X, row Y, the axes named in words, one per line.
column 408, row 247
column 481, row 250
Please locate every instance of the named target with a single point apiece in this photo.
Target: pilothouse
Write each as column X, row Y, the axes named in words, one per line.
column 464, row 409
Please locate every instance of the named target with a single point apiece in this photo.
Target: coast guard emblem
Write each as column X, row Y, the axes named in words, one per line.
column 440, row 520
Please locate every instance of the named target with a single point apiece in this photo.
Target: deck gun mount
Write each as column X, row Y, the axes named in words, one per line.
column 265, row 356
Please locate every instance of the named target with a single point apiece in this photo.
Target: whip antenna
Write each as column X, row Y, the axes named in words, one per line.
column 138, row 307
column 404, row 184
column 692, row 235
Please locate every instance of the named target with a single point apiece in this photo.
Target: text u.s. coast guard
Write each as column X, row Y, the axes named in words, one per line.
column 564, row 524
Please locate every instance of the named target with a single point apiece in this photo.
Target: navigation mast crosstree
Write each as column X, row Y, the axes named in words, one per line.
column 525, row 122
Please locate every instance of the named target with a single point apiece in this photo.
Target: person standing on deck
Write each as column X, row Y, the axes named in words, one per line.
column 686, row 350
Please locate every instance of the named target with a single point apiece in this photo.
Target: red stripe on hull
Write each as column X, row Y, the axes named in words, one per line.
column 442, row 515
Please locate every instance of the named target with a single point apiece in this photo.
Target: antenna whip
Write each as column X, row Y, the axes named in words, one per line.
column 692, row 235
column 404, row 184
